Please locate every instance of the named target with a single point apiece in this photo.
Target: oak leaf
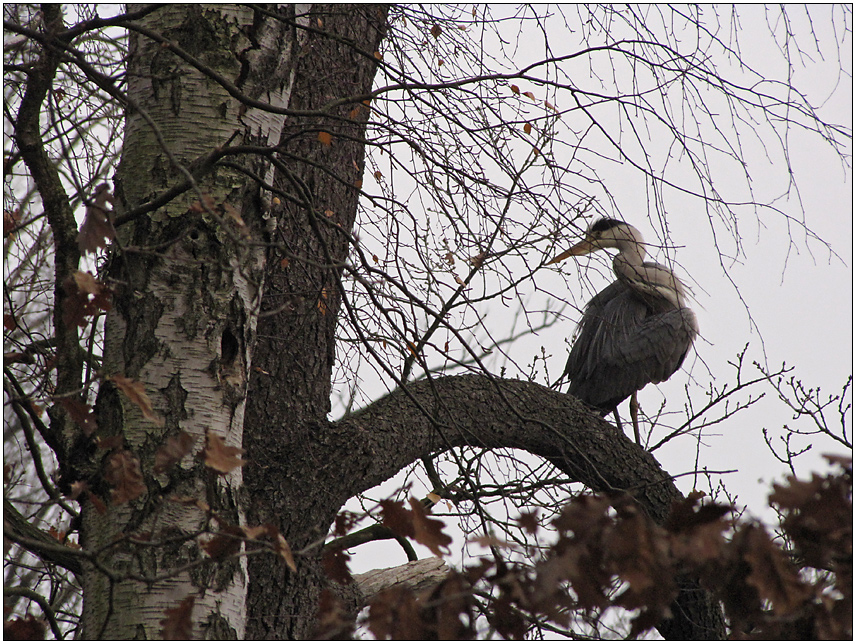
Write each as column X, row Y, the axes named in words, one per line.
column 123, row 473
column 84, row 297
column 178, row 623
column 416, row 524
column 136, row 392
column 172, row 451
column 97, row 229
column 335, row 564
column 220, row 457
column 772, row 574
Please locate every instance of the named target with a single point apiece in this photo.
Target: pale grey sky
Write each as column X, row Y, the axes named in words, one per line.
column 783, row 293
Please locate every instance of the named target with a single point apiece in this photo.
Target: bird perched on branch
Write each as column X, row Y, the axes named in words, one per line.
column 635, row 331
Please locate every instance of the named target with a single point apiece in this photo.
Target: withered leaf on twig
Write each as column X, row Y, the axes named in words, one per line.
column 123, row 473
column 178, row 623
column 97, row 229
column 136, row 391
column 77, row 305
column 220, row 457
column 172, row 451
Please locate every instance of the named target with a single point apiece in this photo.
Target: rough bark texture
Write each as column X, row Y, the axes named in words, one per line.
column 187, row 292
column 345, row 458
column 295, row 352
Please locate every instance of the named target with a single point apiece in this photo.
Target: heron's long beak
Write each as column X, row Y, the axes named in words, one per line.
column 582, row 248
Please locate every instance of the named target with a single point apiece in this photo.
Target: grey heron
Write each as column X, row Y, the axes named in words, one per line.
column 636, row 331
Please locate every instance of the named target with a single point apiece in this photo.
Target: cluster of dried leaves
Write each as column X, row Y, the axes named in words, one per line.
column 609, row 554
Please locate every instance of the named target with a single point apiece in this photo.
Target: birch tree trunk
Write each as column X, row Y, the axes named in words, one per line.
column 188, row 279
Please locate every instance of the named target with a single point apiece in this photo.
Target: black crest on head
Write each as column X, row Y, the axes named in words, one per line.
column 602, row 225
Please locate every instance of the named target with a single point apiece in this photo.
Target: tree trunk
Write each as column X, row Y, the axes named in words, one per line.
column 290, row 388
column 187, row 283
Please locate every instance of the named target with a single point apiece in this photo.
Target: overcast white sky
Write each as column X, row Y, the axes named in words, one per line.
column 785, row 295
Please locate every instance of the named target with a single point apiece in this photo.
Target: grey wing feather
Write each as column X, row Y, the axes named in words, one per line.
column 624, row 344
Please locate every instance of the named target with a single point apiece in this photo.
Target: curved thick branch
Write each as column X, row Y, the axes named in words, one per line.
column 475, row 410
column 434, row 415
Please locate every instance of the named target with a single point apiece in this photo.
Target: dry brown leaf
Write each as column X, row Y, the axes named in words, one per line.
column 172, row 451
column 322, row 305
column 225, row 544
column 97, row 229
column 477, row 260
column 80, row 413
column 333, row 621
column 336, row 566
column 428, row 531
column 77, row 305
column 325, row 137
column 220, row 457
column 436, row 30
column 772, row 574
column 11, row 218
column 395, row 614
column 264, row 530
column 529, row 521
column 107, row 443
column 345, row 521
column 178, row 623
column 281, row 547
column 136, row 392
column 28, row 627
column 397, row 518
column 123, row 474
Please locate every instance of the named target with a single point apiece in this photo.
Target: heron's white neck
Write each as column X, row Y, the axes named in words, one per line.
column 631, row 250
column 648, row 280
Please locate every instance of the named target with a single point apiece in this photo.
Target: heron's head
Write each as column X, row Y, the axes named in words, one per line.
column 605, row 233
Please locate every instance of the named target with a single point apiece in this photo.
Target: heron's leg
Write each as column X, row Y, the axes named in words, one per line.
column 617, row 420
column 634, row 416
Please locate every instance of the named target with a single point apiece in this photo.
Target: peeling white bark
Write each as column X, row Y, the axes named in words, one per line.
column 188, row 308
